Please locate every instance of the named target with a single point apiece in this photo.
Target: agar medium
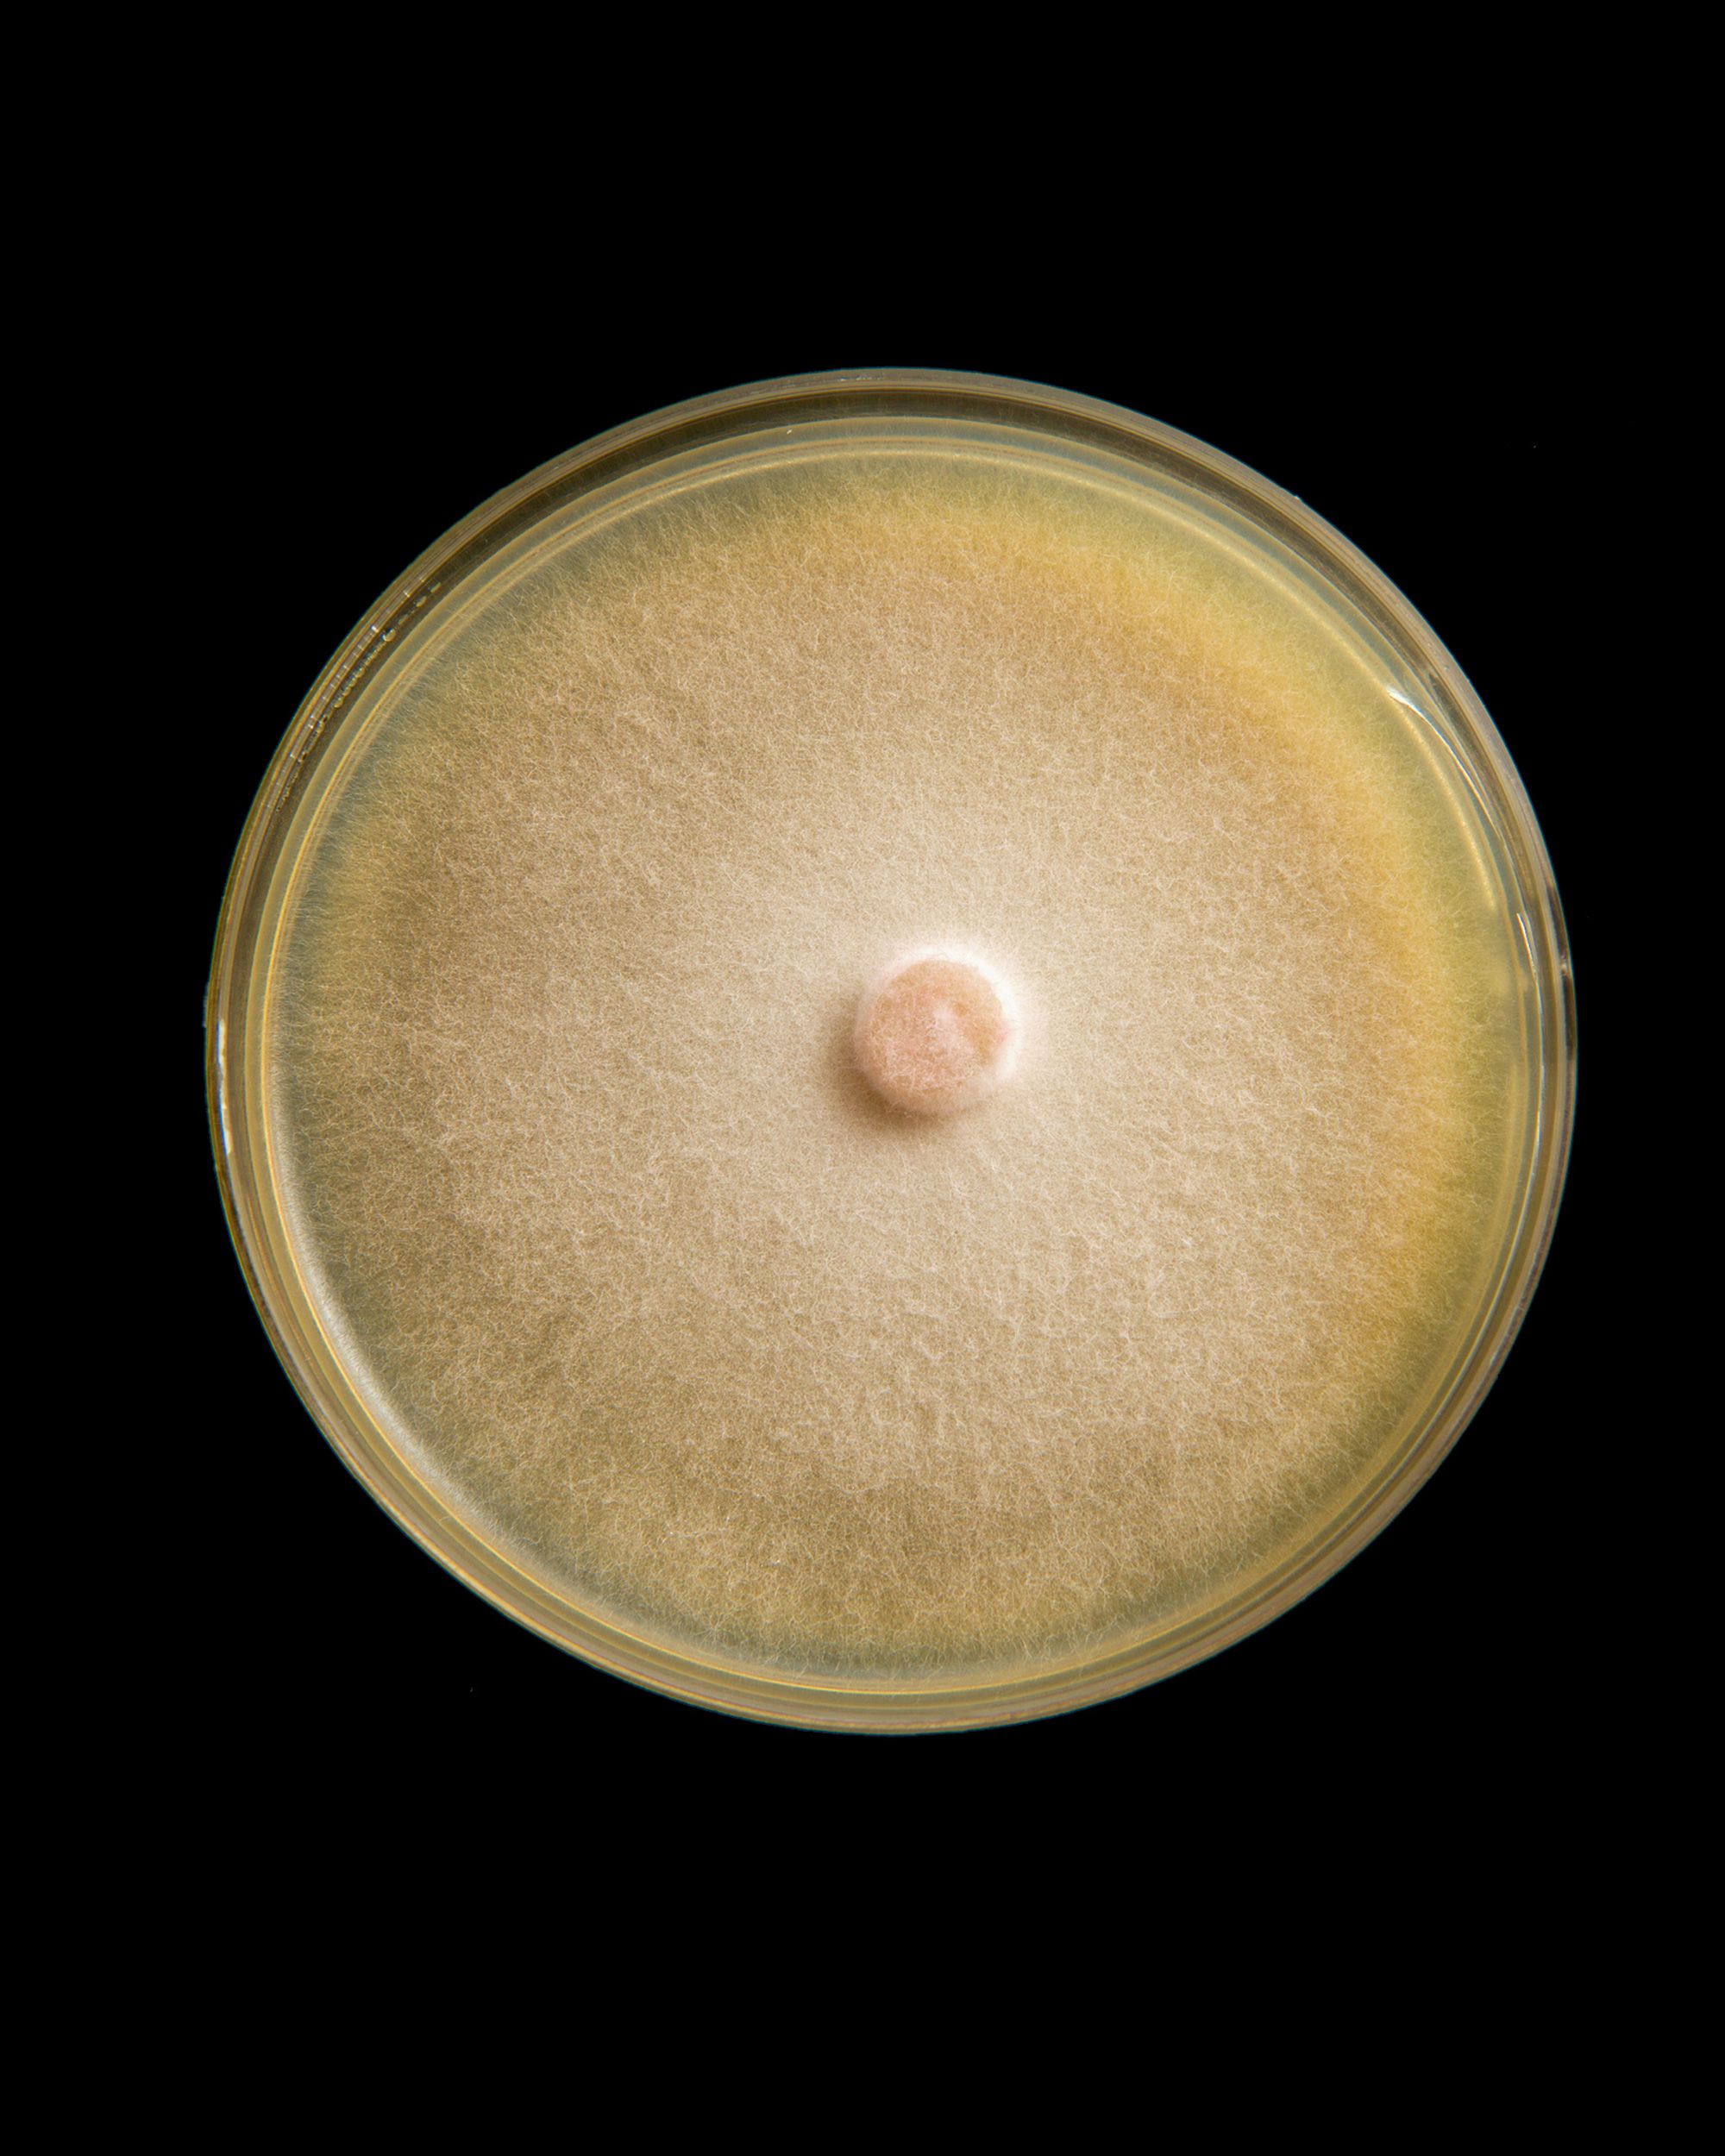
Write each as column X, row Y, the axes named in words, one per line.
column 891, row 1051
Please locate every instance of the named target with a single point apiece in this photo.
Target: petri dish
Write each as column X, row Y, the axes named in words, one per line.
column 592, row 1203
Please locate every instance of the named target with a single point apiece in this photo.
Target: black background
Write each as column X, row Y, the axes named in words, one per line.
column 317, row 439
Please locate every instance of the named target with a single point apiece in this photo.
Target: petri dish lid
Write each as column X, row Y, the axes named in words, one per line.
column 536, row 1093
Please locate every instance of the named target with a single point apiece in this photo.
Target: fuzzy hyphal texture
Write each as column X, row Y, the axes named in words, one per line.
column 654, row 1284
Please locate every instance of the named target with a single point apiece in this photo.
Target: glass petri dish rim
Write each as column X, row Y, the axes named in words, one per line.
column 237, row 1106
